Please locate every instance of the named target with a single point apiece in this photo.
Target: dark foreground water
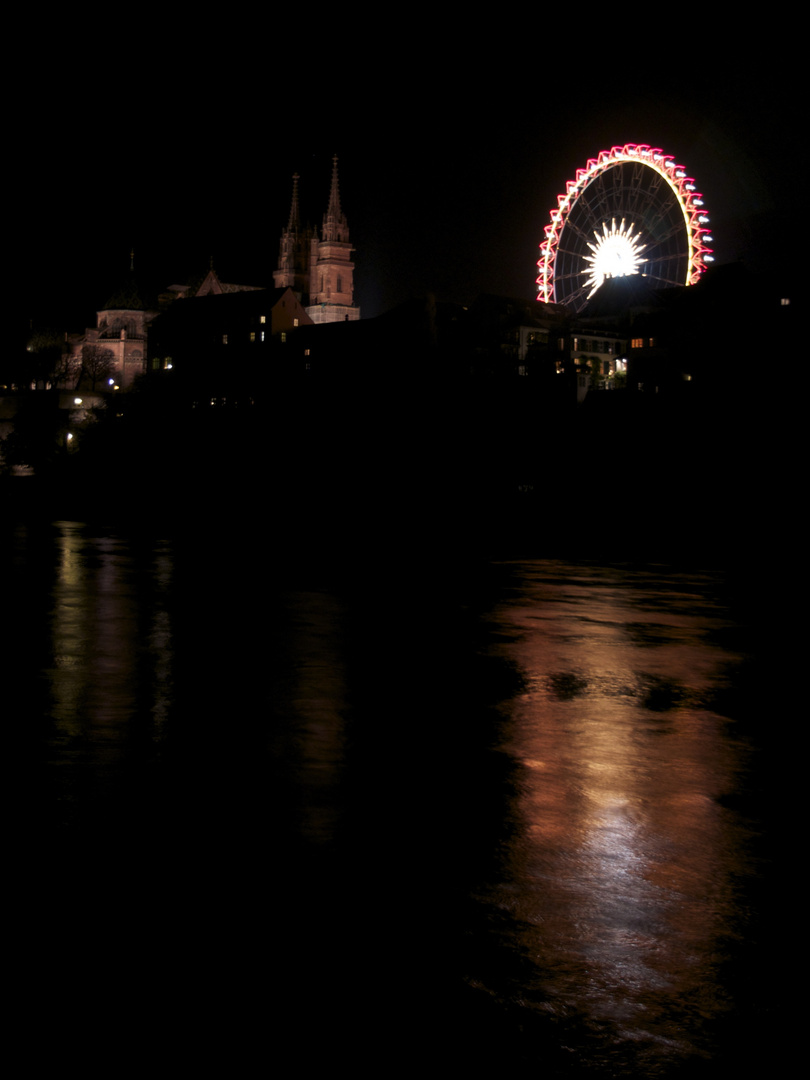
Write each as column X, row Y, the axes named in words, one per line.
column 522, row 818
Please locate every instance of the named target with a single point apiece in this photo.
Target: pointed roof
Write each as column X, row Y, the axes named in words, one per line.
column 294, row 223
column 335, row 226
column 211, row 284
column 128, row 297
column 334, row 192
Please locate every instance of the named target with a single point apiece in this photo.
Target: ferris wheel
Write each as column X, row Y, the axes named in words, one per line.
column 631, row 210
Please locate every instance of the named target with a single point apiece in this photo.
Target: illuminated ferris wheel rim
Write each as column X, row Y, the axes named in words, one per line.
column 690, row 202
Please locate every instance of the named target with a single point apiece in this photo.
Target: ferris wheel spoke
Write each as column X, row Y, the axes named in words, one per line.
column 577, row 295
column 676, row 229
column 580, row 233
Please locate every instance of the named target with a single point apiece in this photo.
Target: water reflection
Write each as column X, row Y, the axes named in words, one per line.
column 622, row 869
column 508, row 808
column 310, row 704
column 111, row 638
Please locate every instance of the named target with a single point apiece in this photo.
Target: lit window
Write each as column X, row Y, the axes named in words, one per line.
column 262, row 318
column 295, row 322
column 785, row 301
column 252, row 335
column 224, row 339
column 283, row 337
column 637, row 343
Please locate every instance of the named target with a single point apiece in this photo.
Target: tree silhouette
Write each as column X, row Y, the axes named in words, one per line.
column 98, row 363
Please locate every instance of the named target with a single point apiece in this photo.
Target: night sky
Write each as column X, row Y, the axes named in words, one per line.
column 453, row 145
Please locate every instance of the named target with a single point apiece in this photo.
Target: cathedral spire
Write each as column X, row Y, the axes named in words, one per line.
column 334, row 193
column 293, row 256
column 335, row 226
column 294, row 222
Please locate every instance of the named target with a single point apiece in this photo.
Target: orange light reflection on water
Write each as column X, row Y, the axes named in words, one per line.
column 621, row 868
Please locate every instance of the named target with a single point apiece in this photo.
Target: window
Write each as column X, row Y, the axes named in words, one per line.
column 252, row 335
column 262, row 319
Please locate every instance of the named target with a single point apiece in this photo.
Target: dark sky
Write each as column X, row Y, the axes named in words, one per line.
column 452, row 146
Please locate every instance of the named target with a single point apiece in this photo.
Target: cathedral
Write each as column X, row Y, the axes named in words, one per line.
column 319, row 270
column 316, row 266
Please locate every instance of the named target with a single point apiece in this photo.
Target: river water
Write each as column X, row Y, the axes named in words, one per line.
column 512, row 816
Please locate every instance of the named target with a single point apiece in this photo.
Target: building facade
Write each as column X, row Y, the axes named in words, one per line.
column 113, row 352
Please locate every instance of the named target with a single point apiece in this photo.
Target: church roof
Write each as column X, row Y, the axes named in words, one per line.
column 129, row 297
column 212, row 284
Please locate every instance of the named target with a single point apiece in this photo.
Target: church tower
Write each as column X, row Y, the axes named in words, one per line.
column 331, row 270
column 294, row 253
